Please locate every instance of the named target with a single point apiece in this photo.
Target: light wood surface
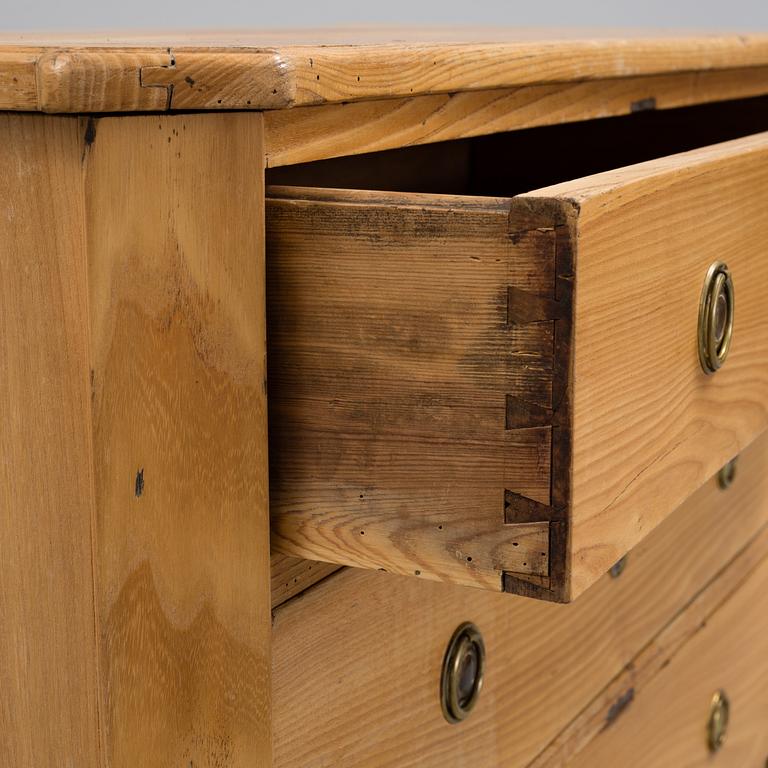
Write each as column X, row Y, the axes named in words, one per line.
column 391, row 379
column 648, row 425
column 665, row 724
column 179, row 431
column 393, row 365
column 291, row 575
column 264, row 70
column 360, row 653
column 48, row 671
column 312, row 133
column 18, row 80
column 636, row 679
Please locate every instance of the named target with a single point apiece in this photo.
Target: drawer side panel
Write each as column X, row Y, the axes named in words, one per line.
column 412, row 354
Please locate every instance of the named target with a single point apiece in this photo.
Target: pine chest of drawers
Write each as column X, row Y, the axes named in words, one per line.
column 483, row 311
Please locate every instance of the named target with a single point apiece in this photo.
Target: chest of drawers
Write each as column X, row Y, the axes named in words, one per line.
column 483, row 310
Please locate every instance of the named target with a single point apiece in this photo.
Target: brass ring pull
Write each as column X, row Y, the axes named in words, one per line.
column 717, row 725
column 462, row 676
column 716, row 311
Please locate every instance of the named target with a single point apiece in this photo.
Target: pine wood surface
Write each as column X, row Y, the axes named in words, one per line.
column 48, row 669
column 638, row 680
column 312, row 133
column 421, row 362
column 291, row 575
column 266, row 70
column 177, row 326
column 664, row 725
column 648, row 425
column 392, row 370
column 360, row 653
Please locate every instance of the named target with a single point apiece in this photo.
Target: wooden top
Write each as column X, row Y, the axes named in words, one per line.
column 272, row 70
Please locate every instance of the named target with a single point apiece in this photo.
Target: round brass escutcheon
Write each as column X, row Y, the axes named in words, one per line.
column 727, row 474
column 717, row 725
column 462, row 676
column 716, row 311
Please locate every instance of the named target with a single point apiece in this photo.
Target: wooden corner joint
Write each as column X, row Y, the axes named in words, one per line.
column 148, row 77
column 250, row 80
column 546, row 220
column 72, row 80
column 160, row 79
column 552, row 586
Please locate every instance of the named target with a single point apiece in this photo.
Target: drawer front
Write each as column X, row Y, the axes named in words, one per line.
column 357, row 658
column 507, row 393
column 667, row 724
column 649, row 426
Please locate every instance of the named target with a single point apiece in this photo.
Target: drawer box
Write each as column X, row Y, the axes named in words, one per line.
column 506, row 392
column 357, row 658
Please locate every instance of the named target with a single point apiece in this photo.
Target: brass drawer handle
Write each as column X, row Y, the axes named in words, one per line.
column 717, row 725
column 716, row 310
column 462, row 676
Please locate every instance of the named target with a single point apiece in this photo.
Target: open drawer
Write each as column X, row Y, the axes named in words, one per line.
column 508, row 392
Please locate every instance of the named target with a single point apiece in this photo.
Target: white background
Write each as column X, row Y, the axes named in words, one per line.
column 159, row 15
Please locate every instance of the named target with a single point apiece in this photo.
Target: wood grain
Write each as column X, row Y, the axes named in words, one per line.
column 292, row 575
column 105, row 81
column 270, row 70
column 637, row 678
column 360, row 653
column 48, row 670
column 390, row 378
column 649, row 426
column 18, row 81
column 393, row 358
column 159, row 80
column 664, row 726
column 305, row 134
column 179, row 432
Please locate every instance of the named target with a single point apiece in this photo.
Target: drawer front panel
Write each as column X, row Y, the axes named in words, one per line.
column 507, row 393
column 357, row 658
column 649, row 426
column 666, row 724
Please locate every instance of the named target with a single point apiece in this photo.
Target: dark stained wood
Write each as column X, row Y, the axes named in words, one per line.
column 548, row 217
column 393, row 364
